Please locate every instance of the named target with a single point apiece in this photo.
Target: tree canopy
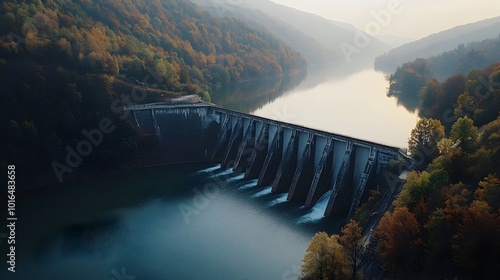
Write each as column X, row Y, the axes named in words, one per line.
column 422, row 144
column 66, row 65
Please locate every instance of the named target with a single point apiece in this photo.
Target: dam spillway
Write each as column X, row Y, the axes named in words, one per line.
column 304, row 163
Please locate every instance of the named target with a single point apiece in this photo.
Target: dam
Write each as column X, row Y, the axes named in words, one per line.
column 308, row 165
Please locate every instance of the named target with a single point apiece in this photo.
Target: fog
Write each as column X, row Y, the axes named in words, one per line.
column 408, row 19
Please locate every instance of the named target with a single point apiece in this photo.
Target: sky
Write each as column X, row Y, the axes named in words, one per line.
column 413, row 19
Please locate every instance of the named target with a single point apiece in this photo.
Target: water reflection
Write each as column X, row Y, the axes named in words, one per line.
column 410, row 102
column 348, row 99
column 249, row 96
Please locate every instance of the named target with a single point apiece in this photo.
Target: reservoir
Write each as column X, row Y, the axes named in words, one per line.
column 199, row 221
column 133, row 225
column 352, row 103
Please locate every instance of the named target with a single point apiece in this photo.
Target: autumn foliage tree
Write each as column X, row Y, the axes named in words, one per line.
column 324, row 259
column 337, row 256
column 355, row 251
column 398, row 240
column 477, row 242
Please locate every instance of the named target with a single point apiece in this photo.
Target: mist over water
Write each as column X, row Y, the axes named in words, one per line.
column 132, row 225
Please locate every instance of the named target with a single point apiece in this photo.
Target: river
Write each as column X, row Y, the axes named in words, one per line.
column 198, row 221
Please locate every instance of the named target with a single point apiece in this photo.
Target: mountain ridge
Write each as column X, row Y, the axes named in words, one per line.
column 342, row 45
column 438, row 43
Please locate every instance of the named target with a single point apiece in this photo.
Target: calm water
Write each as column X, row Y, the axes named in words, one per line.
column 353, row 104
column 133, row 225
column 197, row 221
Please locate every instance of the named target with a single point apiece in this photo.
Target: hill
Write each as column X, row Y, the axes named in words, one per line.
column 435, row 44
column 453, row 204
column 321, row 40
column 68, row 65
column 408, row 81
column 312, row 50
column 463, row 58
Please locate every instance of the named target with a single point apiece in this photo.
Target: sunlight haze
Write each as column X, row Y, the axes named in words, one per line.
column 416, row 19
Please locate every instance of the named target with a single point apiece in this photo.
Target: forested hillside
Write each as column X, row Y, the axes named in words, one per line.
column 408, row 83
column 312, row 50
column 66, row 65
column 446, row 218
column 446, row 221
column 438, row 43
column 322, row 41
column 465, row 57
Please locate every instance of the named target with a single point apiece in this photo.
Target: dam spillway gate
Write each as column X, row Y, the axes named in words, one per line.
column 308, row 164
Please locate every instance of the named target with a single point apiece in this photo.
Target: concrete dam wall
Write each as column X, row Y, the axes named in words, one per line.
column 305, row 163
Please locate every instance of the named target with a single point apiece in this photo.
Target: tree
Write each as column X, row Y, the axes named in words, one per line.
column 480, row 164
column 464, row 133
column 465, row 105
column 429, row 99
column 438, row 251
column 489, row 191
column 419, row 187
column 324, row 258
column 422, row 144
column 445, row 146
column 490, row 138
column 398, row 240
column 352, row 242
column 477, row 242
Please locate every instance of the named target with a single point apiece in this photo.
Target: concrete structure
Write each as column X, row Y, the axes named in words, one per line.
column 307, row 164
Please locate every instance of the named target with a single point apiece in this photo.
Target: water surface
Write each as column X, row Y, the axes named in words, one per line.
column 350, row 103
column 173, row 222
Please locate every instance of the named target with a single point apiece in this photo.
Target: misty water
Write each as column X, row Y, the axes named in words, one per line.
column 189, row 221
column 198, row 221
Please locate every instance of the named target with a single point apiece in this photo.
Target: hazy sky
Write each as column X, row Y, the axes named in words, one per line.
column 412, row 19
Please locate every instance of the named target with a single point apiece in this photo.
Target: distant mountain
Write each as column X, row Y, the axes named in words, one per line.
column 413, row 78
column 310, row 48
column 312, row 35
column 437, row 43
column 394, row 41
column 464, row 58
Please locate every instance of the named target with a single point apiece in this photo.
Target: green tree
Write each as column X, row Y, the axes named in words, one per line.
column 489, row 191
column 422, row 144
column 480, row 164
column 465, row 134
column 438, row 250
column 429, row 99
column 418, row 188
column 205, row 96
column 445, row 146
